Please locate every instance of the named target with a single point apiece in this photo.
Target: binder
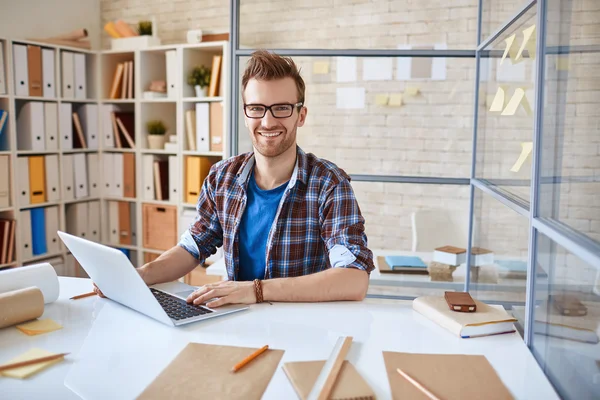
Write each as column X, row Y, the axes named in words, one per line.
column 68, row 81
column 128, row 175
column 216, row 126
column 148, row 176
column 77, row 219
column 80, row 174
column 20, row 70
column 116, row 83
column 79, row 141
column 5, row 181
column 197, row 169
column 34, row 67
column 215, row 77
column 88, row 116
column 37, row 180
column 125, row 80
column 25, row 233
column 51, row 126
column 133, row 224
column 107, row 173
column 124, row 223
column 30, row 127
column 171, row 59
column 2, row 70
column 52, row 181
column 68, row 180
column 202, row 127
column 113, row 222
column 107, row 126
column 118, row 175
column 93, row 169
column 130, row 87
column 161, row 179
column 22, row 171
column 48, row 73
column 65, row 122
column 38, row 231
column 80, row 76
column 174, row 178
column 93, row 228
column 51, row 227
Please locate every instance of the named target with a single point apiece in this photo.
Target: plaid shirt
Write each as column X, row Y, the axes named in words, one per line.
column 318, row 224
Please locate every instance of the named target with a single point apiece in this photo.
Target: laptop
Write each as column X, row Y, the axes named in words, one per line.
column 116, row 277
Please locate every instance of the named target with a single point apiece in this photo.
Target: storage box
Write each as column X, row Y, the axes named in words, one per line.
column 160, row 226
column 135, row 42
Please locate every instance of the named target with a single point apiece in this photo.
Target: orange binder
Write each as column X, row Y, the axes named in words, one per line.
column 124, row 223
column 37, row 180
column 196, row 170
column 128, row 175
column 34, row 66
column 216, row 126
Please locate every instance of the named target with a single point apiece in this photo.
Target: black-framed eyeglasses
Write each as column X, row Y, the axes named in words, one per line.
column 283, row 110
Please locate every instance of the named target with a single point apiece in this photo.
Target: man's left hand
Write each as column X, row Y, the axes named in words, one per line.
column 226, row 292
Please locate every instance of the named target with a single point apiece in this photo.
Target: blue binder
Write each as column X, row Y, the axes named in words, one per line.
column 405, row 262
column 38, row 231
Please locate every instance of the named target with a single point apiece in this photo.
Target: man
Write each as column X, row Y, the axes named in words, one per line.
column 289, row 223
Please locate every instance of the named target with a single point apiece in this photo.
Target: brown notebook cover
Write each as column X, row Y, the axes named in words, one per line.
column 452, row 249
column 349, row 385
column 447, row 376
column 204, row 371
column 34, row 65
column 126, row 123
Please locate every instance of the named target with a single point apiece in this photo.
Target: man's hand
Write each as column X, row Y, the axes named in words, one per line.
column 98, row 291
column 228, row 292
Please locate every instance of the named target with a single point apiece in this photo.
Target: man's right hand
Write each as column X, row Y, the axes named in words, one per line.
column 99, row 292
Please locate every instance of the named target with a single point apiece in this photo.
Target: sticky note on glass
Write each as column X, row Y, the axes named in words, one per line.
column 320, row 67
column 39, row 326
column 526, row 148
column 412, row 91
column 511, row 48
column 500, row 99
column 24, row 372
column 395, row 100
column 528, row 43
column 382, row 99
column 518, row 99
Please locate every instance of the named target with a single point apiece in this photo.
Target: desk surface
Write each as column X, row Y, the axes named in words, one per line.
column 116, row 352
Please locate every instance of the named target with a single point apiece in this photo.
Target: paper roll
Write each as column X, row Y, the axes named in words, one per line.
column 20, row 305
column 43, row 276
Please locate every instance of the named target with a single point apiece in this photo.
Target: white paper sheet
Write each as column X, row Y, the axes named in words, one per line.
column 346, row 69
column 377, row 69
column 42, row 276
column 350, row 98
column 403, row 65
column 438, row 64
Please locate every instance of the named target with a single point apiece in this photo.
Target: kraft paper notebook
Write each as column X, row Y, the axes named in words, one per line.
column 349, row 385
column 206, row 369
column 447, row 376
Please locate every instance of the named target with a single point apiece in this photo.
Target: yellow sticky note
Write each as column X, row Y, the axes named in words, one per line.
column 24, row 372
column 382, row 99
column 320, row 67
column 528, row 43
column 499, row 101
column 395, row 100
column 510, row 48
column 562, row 63
column 518, row 99
column 412, row 91
column 453, row 91
column 39, row 326
column 526, row 148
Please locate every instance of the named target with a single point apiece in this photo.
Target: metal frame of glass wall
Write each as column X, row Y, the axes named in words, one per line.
column 574, row 242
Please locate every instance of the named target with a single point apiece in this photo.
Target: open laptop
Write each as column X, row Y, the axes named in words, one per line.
column 116, row 277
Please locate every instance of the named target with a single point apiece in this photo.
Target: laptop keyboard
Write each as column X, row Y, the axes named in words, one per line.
column 177, row 308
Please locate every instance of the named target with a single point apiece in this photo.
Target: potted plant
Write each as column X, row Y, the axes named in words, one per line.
column 156, row 134
column 145, row 28
column 199, row 78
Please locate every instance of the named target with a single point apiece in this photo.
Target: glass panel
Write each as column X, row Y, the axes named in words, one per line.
column 506, row 104
column 411, row 220
column 495, row 14
column 573, row 23
column 385, row 120
column 341, row 24
column 500, row 271
column 567, row 316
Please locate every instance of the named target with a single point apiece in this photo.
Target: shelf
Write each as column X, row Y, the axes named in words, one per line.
column 5, row 152
column 75, row 151
column 4, row 96
column 47, row 204
column 159, row 100
column 189, row 205
column 127, row 199
column 6, row 209
column 150, row 151
column 36, row 98
column 205, row 45
column 79, row 100
column 119, row 101
column 41, row 257
column 117, row 150
column 12, row 264
column 82, row 200
column 202, row 99
column 56, row 46
column 203, row 153
column 160, row 202
column 34, row 152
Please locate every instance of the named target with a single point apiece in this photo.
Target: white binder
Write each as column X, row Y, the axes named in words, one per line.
column 52, row 242
column 148, row 176
column 5, row 182
column 48, row 73
column 107, row 126
column 171, row 58
column 65, row 121
column 93, row 169
column 80, row 170
column 118, row 175
column 30, row 127
column 68, row 177
column 52, row 181
column 88, row 115
column 68, row 81
column 93, row 228
column 107, row 173
column 113, row 222
column 174, row 191
column 51, row 125
column 22, row 171
column 21, row 70
column 202, row 127
column 77, row 219
column 2, row 71
column 80, row 76
column 25, row 231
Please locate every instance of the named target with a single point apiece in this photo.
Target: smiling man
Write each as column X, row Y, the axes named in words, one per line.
column 289, row 223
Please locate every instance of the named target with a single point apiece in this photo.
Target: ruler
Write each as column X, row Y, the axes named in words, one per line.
column 326, row 379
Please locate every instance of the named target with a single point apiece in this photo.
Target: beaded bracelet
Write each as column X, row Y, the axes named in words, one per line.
column 258, row 291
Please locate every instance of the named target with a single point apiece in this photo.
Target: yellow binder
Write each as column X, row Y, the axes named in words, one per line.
column 37, row 180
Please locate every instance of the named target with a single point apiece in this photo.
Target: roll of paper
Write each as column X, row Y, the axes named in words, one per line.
column 20, row 305
column 43, row 276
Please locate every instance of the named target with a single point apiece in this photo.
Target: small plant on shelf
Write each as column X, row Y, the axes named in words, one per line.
column 199, row 78
column 145, row 28
column 156, row 134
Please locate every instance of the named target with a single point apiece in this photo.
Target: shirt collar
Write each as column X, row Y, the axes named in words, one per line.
column 300, row 172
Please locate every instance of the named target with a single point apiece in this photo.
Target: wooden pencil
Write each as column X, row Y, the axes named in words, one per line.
column 251, row 357
column 31, row 362
column 81, row 296
column 416, row 384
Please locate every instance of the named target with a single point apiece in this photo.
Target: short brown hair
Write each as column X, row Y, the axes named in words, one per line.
column 267, row 66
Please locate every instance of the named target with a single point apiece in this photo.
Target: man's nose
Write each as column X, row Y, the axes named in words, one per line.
column 268, row 121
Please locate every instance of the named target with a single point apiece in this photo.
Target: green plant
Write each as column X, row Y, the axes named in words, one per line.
column 145, row 28
column 199, row 76
column 156, row 127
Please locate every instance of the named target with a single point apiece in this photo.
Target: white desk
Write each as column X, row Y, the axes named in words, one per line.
column 117, row 352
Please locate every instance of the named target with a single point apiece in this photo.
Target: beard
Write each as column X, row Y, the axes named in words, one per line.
column 276, row 146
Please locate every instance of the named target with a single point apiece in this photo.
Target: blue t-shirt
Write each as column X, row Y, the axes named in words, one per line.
column 261, row 207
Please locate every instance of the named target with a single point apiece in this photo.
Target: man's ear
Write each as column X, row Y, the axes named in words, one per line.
column 302, row 118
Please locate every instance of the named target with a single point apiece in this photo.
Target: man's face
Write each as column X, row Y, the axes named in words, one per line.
column 272, row 136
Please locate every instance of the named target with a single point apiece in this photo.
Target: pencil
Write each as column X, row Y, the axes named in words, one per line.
column 416, row 384
column 251, row 357
column 30, row 362
column 81, row 296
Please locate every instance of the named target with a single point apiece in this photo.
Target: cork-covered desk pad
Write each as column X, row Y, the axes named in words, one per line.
column 204, row 371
